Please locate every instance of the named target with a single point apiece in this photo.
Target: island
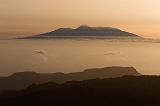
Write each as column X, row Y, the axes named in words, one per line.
column 84, row 31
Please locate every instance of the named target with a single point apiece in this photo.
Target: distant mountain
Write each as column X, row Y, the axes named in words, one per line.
column 84, row 30
column 122, row 91
column 21, row 80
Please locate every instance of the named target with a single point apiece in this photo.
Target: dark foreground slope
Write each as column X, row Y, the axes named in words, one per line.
column 21, row 80
column 124, row 91
column 83, row 31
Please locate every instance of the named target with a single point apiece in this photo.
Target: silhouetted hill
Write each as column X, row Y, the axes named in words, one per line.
column 21, row 80
column 122, row 91
column 42, row 87
column 85, row 30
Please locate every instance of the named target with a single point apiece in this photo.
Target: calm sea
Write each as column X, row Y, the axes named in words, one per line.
column 72, row 55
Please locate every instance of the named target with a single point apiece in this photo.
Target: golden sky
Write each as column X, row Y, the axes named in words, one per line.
column 28, row 17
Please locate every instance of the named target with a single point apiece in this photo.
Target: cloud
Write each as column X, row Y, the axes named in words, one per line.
column 42, row 54
column 112, row 53
column 116, row 55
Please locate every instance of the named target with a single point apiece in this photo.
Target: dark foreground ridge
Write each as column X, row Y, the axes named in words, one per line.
column 122, row 91
column 83, row 31
column 21, row 80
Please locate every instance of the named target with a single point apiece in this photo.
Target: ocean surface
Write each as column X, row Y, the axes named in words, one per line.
column 73, row 55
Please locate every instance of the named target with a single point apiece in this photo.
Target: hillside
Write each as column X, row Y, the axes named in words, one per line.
column 21, row 80
column 122, row 91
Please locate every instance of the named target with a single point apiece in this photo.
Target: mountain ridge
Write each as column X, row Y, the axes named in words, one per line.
column 21, row 80
column 85, row 30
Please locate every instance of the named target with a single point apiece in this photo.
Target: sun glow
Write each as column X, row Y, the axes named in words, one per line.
column 21, row 17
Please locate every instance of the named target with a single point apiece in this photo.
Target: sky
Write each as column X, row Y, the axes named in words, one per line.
column 28, row 17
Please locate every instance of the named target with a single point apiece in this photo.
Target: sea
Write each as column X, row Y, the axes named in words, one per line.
column 76, row 55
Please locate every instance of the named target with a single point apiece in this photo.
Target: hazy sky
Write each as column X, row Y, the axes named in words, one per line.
column 27, row 17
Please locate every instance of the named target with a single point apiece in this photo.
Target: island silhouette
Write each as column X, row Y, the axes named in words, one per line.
column 84, row 31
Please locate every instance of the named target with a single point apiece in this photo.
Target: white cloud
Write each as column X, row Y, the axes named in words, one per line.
column 112, row 53
column 42, row 54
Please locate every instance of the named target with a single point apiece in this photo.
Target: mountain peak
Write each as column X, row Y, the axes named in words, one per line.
column 84, row 27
